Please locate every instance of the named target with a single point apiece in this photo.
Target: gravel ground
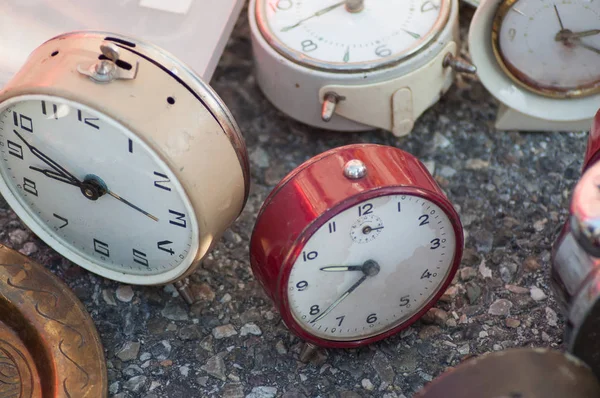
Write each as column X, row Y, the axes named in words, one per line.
column 232, row 343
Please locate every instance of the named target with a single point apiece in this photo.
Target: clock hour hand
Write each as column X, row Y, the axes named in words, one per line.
column 316, row 14
column 587, row 46
column 342, row 268
column 44, row 158
column 369, row 268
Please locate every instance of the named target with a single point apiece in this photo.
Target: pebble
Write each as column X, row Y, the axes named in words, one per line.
column 516, row 289
column 367, row 385
column 232, row 237
column 161, row 350
column 18, row 236
column 429, row 331
column 108, row 297
column 184, row 370
column 477, row 164
column 382, row 366
column 249, row 328
column 436, row 315
column 224, row 331
column 145, row 356
column 531, row 264
column 447, row 172
column 174, row 312
column 464, row 349
column 473, row 292
column 154, row 385
column 124, row 293
column 500, row 307
column 467, row 273
column 189, row 332
column 260, row 158
column 226, row 298
column 204, row 292
column 512, row 323
column 129, row 351
column 262, row 392
column 28, row 248
column 280, row 347
column 440, row 141
column 232, row 390
column 551, row 317
column 484, row 270
column 215, row 367
column 114, row 388
column 449, row 295
column 537, row 294
column 203, row 380
column 135, row 384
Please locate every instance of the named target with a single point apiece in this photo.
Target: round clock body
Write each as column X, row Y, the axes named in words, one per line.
column 576, row 261
column 365, row 57
column 537, row 58
column 121, row 159
column 355, row 245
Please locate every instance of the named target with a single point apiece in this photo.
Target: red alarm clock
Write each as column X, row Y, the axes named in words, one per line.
column 355, row 245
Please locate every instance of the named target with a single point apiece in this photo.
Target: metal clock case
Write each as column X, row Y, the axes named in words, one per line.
column 355, row 245
column 540, row 61
column 119, row 157
column 576, row 261
column 373, row 71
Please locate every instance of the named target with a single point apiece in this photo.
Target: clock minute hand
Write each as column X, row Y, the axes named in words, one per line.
column 370, row 268
column 341, row 268
column 587, row 46
column 57, row 176
column 316, row 14
column 128, row 203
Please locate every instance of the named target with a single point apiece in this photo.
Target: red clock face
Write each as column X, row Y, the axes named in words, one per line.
column 355, row 245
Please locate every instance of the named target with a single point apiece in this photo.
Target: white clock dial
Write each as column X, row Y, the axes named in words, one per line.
column 343, row 289
column 327, row 35
column 136, row 218
column 552, row 48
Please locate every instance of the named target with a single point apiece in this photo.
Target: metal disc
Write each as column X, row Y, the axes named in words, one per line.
column 49, row 346
column 516, row 373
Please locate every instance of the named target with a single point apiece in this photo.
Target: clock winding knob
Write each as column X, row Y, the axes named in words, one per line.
column 458, row 64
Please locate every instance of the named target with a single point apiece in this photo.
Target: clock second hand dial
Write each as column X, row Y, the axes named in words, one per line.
column 316, row 14
column 90, row 188
column 370, row 268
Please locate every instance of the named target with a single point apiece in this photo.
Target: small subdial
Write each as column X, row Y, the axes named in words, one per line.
column 366, row 228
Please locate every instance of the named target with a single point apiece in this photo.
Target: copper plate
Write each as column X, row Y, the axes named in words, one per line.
column 49, row 346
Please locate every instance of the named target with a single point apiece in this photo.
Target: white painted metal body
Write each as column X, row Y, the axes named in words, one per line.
column 390, row 98
column 195, row 31
column 522, row 109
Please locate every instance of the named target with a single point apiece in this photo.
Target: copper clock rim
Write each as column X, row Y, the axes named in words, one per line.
column 294, row 249
column 339, row 67
column 503, row 8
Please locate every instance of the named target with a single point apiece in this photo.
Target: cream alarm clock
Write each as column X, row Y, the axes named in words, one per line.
column 356, row 64
column 120, row 157
column 540, row 60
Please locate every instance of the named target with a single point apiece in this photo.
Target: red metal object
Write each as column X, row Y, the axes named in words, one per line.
column 592, row 153
column 316, row 191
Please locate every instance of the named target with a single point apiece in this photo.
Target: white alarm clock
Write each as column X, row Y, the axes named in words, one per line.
column 120, row 157
column 540, row 60
column 355, row 65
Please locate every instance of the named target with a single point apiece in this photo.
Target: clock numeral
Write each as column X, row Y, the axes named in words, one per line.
column 23, row 122
column 88, row 120
column 14, row 149
column 429, row 6
column 54, row 110
column 66, row 222
column 314, row 310
column 512, row 33
column 405, row 301
column 427, row 274
column 161, row 246
column 159, row 182
column 365, row 209
column 179, row 219
column 435, row 243
column 399, row 207
column 332, row 227
column 130, row 146
column 29, row 186
column 309, row 256
column 383, row 51
column 308, row 46
column 424, row 220
column 140, row 257
column 341, row 318
column 101, row 248
column 284, row 4
column 302, row 285
column 372, row 318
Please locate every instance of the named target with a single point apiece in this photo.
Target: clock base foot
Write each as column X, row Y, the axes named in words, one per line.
column 183, row 287
column 308, row 352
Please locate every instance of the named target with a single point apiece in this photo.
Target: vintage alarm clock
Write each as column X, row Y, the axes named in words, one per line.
column 355, row 245
column 120, row 157
column 516, row 373
column 539, row 59
column 355, row 65
column 576, row 260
